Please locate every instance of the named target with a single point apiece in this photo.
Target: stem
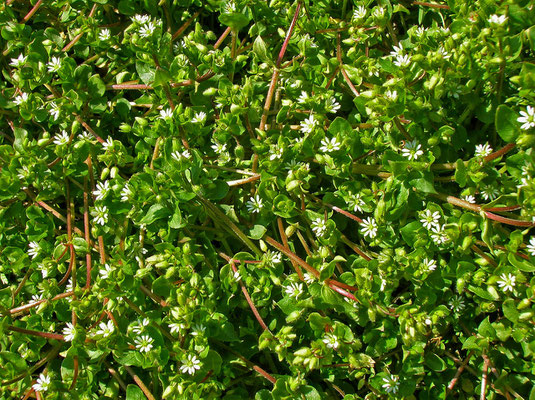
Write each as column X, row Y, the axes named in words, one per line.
column 129, row 86
column 221, row 38
column 453, row 382
column 55, row 336
column 115, row 375
column 86, row 229
column 185, row 26
column 284, row 239
column 32, row 11
column 155, row 152
column 432, row 5
column 288, row 35
column 29, row 306
column 486, row 362
column 140, row 383
column 508, row 147
column 243, row 181
column 355, row 248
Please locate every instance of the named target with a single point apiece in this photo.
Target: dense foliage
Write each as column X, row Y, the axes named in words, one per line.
column 269, row 199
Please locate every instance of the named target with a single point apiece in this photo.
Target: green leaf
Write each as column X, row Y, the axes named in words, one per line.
column 509, row 310
column 161, row 77
column 506, row 124
column 424, row 183
column 460, row 173
column 521, row 264
column 310, row 393
column 95, row 86
column 234, row 20
column 20, row 139
column 133, row 392
column 155, row 212
column 145, row 72
column 486, row 329
column 434, row 362
column 409, row 232
column 340, row 127
column 162, row 287
column 259, row 48
column 257, row 231
column 471, row 343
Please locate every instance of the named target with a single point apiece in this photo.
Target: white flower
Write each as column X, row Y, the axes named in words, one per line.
column 104, row 34
column 102, row 190
column 391, row 95
column 359, row 12
column 230, row 7
column 420, row 31
column 106, row 329
column 140, row 326
column 457, row 303
column 101, row 214
column 355, row 202
column 61, row 138
column 331, row 105
column 34, row 249
column 369, row 227
column 442, row 52
column 303, row 98
column 294, row 289
column 175, row 327
column 489, row 192
column 37, row 297
column 126, row 193
column 308, row 125
column 402, row 60
column 108, row 144
column 191, row 365
column 22, row 98
column 147, row 30
column 140, row 19
column 391, row 384
column 429, row 265
column 219, row 148
column 438, row 235
column 43, row 383
column 69, row 332
column 430, row 219
column 18, row 62
column 331, row 341
column 273, row 257
column 254, row 205
column 85, row 136
column 144, row 343
column 328, row 146
column 177, row 155
column 319, row 227
column 483, row 150
column 507, row 282
column 236, row 276
column 198, row 330
column 527, row 118
column 54, row 110
column 497, row 19
column 309, row 279
column 275, row 152
column 199, row 118
column 106, row 271
column 379, row 12
column 469, row 198
column 398, row 50
column 54, row 65
column 531, row 246
column 166, row 114
column 412, row 150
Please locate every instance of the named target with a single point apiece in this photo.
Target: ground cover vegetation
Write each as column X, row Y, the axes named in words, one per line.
column 267, row 199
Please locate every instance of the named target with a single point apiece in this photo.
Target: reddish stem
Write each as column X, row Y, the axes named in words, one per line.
column 508, row 147
column 285, row 243
column 185, row 25
column 432, row 5
column 221, row 38
column 288, row 35
column 32, row 11
column 46, row 335
column 140, row 383
column 29, row 306
column 509, row 221
column 86, row 229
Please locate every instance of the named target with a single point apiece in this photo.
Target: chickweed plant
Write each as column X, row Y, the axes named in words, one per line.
column 205, row 199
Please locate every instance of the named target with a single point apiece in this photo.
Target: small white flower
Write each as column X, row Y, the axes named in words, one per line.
column 199, row 118
column 429, row 264
column 69, row 332
column 412, row 150
column 355, row 202
column 489, row 192
column 443, row 53
column 86, row 136
column 19, row 61
column 369, row 227
column 254, row 205
column 106, row 271
column 309, row 279
column 191, row 365
column 507, row 282
column 54, row 65
column 273, row 257
column 101, row 214
column 144, row 343
column 531, row 246
column 398, row 50
column 359, row 12
column 230, row 7
column 430, row 219
column 331, row 105
column 104, row 34
column 219, row 148
column 108, row 144
column 166, row 114
column 147, row 30
column 438, row 235
column 61, row 138
column 483, row 150
column 140, row 326
column 198, row 330
column 21, row 99
column 175, row 327
column 177, row 155
column 328, row 146
column 319, row 227
column 391, row 95
column 331, row 341
column 379, row 12
column 303, row 98
column 391, row 384
column 34, row 249
column 43, row 383
column 294, row 289
column 140, row 19
column 497, row 19
column 37, row 297
column 469, row 198
column 54, row 110
column 420, row 31
column 126, row 193
column 308, row 125
column 527, row 118
column 402, row 60
column 106, row 329
column 102, row 191
column 236, row 276
column 275, row 153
